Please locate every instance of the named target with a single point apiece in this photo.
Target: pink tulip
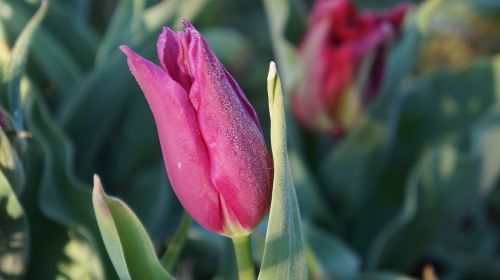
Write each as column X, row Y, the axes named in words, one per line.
column 212, row 143
column 340, row 46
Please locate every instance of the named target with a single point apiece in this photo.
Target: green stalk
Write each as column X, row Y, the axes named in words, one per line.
column 244, row 258
column 170, row 257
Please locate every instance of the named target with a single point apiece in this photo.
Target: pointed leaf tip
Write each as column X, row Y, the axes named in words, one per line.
column 98, row 197
column 97, row 184
column 272, row 71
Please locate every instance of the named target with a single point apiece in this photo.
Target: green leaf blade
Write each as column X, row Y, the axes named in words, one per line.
column 284, row 255
column 14, row 235
column 126, row 240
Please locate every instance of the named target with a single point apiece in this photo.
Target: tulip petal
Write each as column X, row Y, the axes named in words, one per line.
column 184, row 150
column 172, row 48
column 239, row 161
column 172, row 53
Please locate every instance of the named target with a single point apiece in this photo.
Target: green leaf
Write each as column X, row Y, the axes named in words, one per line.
column 277, row 12
column 158, row 15
column 442, row 187
column 284, row 256
column 62, row 198
column 489, row 5
column 152, row 199
column 56, row 62
column 10, row 164
column 4, row 50
column 82, row 43
column 350, row 167
column 15, row 66
column 188, row 9
column 176, row 244
column 333, row 258
column 487, row 137
column 87, row 109
column 126, row 240
column 14, row 236
column 427, row 112
column 314, row 205
column 171, row 13
column 383, row 276
column 449, row 180
column 230, row 45
column 126, row 22
column 21, row 47
column 68, row 255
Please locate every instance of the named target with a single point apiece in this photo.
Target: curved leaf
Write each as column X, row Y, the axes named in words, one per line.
column 333, row 258
column 284, row 256
column 14, row 239
column 277, row 12
column 127, row 21
column 18, row 58
column 58, row 65
column 126, row 240
column 62, row 198
column 10, row 164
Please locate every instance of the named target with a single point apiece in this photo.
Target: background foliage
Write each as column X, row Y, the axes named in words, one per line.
column 414, row 186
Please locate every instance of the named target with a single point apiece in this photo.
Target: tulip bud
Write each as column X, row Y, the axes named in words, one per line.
column 212, row 143
column 343, row 56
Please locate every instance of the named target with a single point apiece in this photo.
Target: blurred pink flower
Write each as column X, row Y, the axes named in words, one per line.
column 343, row 56
column 212, row 142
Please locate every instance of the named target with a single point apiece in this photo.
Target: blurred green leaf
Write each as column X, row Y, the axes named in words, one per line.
column 58, row 65
column 383, row 276
column 312, row 203
column 62, row 198
column 126, row 240
column 351, row 167
column 4, row 50
column 154, row 17
column 15, row 66
column 451, row 30
column 126, row 22
column 151, row 197
column 487, row 135
column 459, row 160
column 14, row 236
column 335, row 260
column 88, row 109
column 284, row 256
column 230, row 46
column 227, row 266
column 277, row 12
column 487, row 4
column 442, row 187
column 82, row 43
column 21, row 47
column 432, row 110
column 10, row 164
column 67, row 254
column 187, row 9
column 176, row 244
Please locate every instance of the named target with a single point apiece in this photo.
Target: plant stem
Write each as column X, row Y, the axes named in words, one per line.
column 174, row 248
column 244, row 258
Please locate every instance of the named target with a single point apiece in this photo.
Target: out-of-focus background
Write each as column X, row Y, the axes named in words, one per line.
column 411, row 189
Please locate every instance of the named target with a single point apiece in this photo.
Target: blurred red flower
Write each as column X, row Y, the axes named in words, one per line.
column 343, row 56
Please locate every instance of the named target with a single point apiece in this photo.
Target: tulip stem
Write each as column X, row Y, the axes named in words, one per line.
column 244, row 258
column 174, row 249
